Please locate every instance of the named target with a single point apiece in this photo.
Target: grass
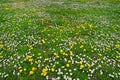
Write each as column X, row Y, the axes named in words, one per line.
column 61, row 40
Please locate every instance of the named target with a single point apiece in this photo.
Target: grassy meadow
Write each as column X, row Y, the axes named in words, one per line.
column 59, row 39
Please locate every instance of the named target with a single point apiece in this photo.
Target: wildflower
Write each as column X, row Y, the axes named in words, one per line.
column 52, row 69
column 24, row 69
column 92, row 50
column 20, row 70
column 90, row 26
column 117, row 56
column 80, row 62
column 46, row 59
column 31, row 73
column 88, row 65
column 57, row 56
column 44, row 51
column 61, row 51
column 30, row 60
column 55, row 53
column 71, row 53
column 14, row 54
column 84, row 50
column 33, row 68
column 43, row 41
column 39, row 61
column 100, row 54
column 81, row 46
column 69, row 61
column 82, row 66
column 44, row 71
column 31, row 47
column 39, row 54
column 28, row 57
column 67, row 65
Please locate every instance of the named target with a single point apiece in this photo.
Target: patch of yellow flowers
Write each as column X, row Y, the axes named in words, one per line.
column 45, row 71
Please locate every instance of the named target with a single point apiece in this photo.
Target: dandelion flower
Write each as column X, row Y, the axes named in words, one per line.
column 81, row 62
column 33, row 68
column 44, row 71
column 88, row 65
column 81, row 46
column 20, row 70
column 82, row 66
column 31, row 47
column 71, row 53
column 100, row 54
column 52, row 69
column 31, row 73
column 43, row 41
column 67, row 65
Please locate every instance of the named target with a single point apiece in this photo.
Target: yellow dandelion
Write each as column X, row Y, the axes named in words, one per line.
column 100, row 54
column 80, row 62
column 92, row 50
column 88, row 65
column 31, row 73
column 52, row 69
column 57, row 56
column 84, row 50
column 30, row 60
column 90, row 26
column 67, row 65
column 66, row 54
column 117, row 56
column 39, row 61
column 81, row 46
column 31, row 47
column 20, row 70
column 61, row 51
column 82, row 66
column 24, row 69
column 39, row 54
column 46, row 59
column 71, row 53
column 55, row 53
column 33, row 68
column 69, row 61
column 43, row 41
column 28, row 57
column 14, row 54
column 44, row 71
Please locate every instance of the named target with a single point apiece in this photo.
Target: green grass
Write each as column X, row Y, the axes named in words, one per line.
column 64, row 39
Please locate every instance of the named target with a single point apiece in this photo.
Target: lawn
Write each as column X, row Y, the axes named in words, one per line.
column 59, row 39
